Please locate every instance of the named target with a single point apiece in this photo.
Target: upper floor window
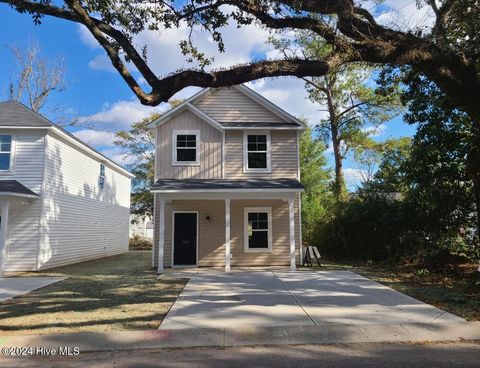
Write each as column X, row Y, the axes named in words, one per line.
column 186, row 147
column 101, row 179
column 5, row 151
column 257, row 152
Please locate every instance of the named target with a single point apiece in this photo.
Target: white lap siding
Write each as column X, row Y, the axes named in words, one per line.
column 23, row 236
column 80, row 220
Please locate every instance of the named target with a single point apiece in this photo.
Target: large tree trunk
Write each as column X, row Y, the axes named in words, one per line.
column 339, row 187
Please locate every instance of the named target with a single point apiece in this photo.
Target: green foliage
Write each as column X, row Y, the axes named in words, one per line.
column 138, row 146
column 315, row 178
column 139, row 243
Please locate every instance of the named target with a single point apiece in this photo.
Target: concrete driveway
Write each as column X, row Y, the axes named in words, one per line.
column 213, row 299
column 10, row 287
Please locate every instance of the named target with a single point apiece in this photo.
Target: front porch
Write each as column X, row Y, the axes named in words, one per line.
column 229, row 229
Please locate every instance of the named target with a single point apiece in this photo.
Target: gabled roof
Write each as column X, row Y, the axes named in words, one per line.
column 289, row 121
column 16, row 115
column 182, row 107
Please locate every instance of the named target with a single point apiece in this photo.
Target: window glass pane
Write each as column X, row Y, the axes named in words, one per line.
column 5, row 143
column 181, row 141
column 186, row 154
column 4, row 161
column 258, row 239
column 258, row 220
column 257, row 160
column 257, row 142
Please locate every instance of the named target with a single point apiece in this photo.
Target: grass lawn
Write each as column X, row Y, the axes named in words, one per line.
column 115, row 293
column 449, row 289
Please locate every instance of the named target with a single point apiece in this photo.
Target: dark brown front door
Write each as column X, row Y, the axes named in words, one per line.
column 185, row 239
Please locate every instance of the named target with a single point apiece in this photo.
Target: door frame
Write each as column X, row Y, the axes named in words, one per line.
column 173, row 240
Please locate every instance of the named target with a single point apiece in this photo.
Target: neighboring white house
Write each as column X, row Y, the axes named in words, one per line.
column 141, row 226
column 61, row 201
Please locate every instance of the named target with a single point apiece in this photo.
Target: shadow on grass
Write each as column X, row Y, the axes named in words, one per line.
column 119, row 292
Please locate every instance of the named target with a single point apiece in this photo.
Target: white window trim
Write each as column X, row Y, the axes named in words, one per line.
column 174, row 148
column 246, row 169
column 248, row 210
column 12, row 154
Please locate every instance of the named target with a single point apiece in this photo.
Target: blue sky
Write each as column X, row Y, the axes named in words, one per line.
column 97, row 94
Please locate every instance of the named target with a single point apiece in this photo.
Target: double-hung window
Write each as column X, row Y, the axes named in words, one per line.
column 5, row 152
column 186, row 147
column 258, row 229
column 256, row 152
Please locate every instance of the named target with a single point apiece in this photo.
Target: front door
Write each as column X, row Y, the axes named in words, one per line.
column 185, row 239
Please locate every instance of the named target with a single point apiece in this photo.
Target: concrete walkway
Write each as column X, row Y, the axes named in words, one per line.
column 213, row 299
column 11, row 287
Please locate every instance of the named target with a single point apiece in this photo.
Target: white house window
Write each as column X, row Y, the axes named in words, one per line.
column 186, row 147
column 257, row 152
column 101, row 179
column 258, row 229
column 5, row 151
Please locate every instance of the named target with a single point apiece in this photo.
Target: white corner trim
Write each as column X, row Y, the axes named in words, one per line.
column 176, row 133
column 246, row 211
column 246, row 169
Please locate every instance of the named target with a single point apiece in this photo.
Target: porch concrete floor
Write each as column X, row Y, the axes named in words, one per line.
column 213, row 299
column 11, row 287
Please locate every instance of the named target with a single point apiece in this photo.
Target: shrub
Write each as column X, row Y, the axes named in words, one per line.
column 139, row 243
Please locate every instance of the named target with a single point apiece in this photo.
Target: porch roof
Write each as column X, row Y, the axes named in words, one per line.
column 16, row 189
column 225, row 185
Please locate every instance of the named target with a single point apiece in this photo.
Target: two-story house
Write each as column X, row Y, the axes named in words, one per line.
column 227, row 182
column 61, row 201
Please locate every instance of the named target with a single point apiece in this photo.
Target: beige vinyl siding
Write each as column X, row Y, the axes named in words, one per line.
column 210, row 166
column 211, row 251
column 80, row 220
column 230, row 105
column 23, row 236
column 283, row 155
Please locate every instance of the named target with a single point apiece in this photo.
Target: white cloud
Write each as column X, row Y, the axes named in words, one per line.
column 116, row 155
column 289, row 93
column 95, row 138
column 376, row 131
column 120, row 115
column 87, row 38
column 405, row 14
column 353, row 177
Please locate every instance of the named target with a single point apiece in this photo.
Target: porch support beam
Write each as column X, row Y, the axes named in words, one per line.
column 3, row 234
column 227, row 235
column 291, row 215
column 161, row 236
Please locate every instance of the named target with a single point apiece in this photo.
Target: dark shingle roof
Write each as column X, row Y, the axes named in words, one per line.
column 13, row 113
column 13, row 186
column 225, row 184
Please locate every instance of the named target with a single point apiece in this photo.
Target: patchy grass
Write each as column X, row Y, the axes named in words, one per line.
column 450, row 288
column 115, row 293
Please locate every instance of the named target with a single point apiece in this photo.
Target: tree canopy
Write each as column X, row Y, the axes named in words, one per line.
column 447, row 53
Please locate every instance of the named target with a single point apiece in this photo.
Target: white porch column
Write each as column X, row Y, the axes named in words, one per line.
column 3, row 234
column 161, row 236
column 291, row 215
column 227, row 235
